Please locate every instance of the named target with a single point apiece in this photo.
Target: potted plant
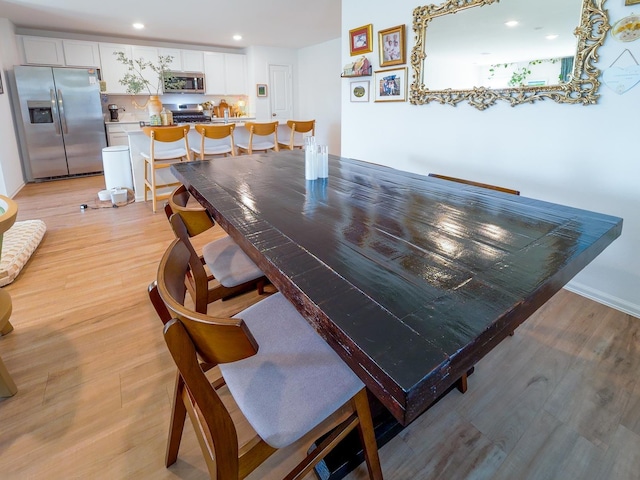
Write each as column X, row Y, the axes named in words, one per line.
column 136, row 81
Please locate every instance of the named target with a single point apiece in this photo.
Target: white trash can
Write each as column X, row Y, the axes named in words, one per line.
column 117, row 167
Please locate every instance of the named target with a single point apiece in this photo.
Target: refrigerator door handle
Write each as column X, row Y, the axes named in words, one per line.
column 63, row 118
column 54, row 108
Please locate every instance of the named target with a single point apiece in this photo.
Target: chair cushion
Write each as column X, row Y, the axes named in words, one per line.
column 213, row 149
column 166, row 154
column 18, row 244
column 257, row 145
column 228, row 263
column 294, row 382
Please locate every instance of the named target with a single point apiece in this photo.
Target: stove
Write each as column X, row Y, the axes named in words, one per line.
column 187, row 113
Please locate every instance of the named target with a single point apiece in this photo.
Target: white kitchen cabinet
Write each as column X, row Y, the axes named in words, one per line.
column 214, row 73
column 192, row 61
column 147, row 54
column 78, row 53
column 112, row 70
column 42, row 51
column 184, row 60
column 176, row 62
column 225, row 73
column 118, row 133
column 235, row 73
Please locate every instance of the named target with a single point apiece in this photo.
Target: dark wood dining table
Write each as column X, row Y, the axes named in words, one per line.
column 411, row 279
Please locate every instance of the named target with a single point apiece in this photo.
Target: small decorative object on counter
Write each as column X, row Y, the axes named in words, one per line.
column 166, row 117
column 310, row 154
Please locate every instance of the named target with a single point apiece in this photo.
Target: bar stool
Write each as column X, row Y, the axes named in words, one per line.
column 162, row 158
column 208, row 144
column 264, row 144
column 282, row 382
column 298, row 129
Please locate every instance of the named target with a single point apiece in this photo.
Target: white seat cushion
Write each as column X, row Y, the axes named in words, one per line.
column 213, row 149
column 166, row 154
column 294, row 382
column 18, row 244
column 228, row 263
column 259, row 145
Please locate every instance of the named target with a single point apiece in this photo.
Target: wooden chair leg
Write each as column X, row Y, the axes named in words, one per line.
column 367, row 435
column 6, row 329
column 461, row 384
column 178, row 416
column 8, row 387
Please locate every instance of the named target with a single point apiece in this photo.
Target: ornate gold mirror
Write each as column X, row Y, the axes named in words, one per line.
column 471, row 53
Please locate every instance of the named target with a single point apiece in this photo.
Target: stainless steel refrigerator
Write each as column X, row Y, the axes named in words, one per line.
column 62, row 129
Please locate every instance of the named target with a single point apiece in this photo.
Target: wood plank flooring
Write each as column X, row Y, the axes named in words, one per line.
column 559, row 400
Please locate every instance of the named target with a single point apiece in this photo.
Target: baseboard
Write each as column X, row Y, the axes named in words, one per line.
column 603, row 298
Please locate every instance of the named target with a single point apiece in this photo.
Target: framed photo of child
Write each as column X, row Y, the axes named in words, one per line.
column 391, row 46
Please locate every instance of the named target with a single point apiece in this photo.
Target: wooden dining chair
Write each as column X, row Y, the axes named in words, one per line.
column 232, row 271
column 262, row 138
column 298, row 130
column 475, row 184
column 162, row 158
column 281, row 386
column 210, row 136
column 8, row 214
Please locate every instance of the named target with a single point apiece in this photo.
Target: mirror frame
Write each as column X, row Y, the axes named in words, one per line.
column 581, row 89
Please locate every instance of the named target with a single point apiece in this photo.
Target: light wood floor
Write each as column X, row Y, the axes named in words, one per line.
column 559, row 400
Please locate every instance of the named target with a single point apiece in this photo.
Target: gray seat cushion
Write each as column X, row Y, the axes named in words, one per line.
column 228, row 263
column 294, row 382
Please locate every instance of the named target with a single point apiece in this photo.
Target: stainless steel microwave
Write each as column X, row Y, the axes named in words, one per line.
column 184, row 82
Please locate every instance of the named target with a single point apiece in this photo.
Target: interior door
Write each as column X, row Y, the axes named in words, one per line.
column 281, row 92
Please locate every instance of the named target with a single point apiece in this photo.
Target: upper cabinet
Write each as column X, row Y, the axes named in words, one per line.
column 42, row 50
column 112, row 70
column 225, row 73
column 78, row 53
column 147, row 54
column 184, row 60
column 59, row 52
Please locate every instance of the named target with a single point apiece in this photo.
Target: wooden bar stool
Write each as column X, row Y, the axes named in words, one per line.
column 162, row 158
column 209, row 140
column 298, row 129
column 268, row 133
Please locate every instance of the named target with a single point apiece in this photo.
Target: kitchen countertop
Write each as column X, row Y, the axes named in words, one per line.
column 130, row 118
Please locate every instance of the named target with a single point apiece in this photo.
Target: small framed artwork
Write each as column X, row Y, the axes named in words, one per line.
column 360, row 40
column 360, row 91
column 391, row 85
column 262, row 89
column 391, row 46
column 631, row 2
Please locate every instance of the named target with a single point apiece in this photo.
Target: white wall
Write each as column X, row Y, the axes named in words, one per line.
column 581, row 156
column 11, row 179
column 319, row 96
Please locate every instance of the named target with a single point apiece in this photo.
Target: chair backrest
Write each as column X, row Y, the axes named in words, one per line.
column 262, row 129
column 195, row 218
column 300, row 127
column 192, row 338
column 8, row 214
column 475, row 184
column 216, row 132
column 168, row 134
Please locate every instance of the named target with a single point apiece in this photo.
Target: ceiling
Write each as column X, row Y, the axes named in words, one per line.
column 272, row 23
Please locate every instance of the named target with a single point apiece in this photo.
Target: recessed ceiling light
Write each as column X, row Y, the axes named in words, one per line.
column 138, row 26
column 237, row 37
column 511, row 23
column 551, row 37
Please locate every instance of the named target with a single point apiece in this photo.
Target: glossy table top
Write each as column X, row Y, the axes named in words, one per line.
column 411, row 279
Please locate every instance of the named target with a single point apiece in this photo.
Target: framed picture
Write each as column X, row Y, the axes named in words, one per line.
column 391, row 85
column 262, row 89
column 1, row 87
column 359, row 91
column 360, row 40
column 631, row 2
column 392, row 47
